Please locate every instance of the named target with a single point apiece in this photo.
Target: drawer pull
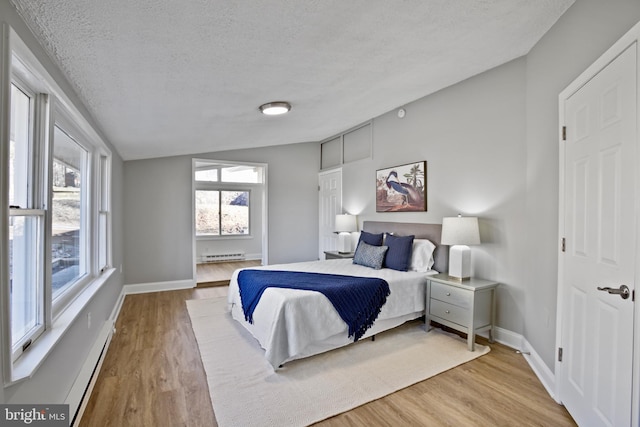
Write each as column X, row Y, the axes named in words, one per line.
column 447, row 311
column 448, row 294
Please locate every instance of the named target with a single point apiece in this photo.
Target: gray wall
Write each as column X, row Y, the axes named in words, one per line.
column 492, row 151
column 52, row 381
column 491, row 143
column 158, row 211
column 472, row 137
column 580, row 36
column 157, row 208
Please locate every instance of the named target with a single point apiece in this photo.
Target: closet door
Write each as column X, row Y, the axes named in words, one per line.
column 597, row 267
column 330, row 202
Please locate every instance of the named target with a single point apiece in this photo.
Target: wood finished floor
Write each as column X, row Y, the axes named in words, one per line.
column 152, row 375
column 219, row 273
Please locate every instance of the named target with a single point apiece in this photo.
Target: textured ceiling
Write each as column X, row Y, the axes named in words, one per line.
column 169, row 77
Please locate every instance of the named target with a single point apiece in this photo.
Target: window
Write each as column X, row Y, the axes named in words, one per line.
column 103, row 214
column 26, row 237
column 349, row 146
column 207, row 175
column 58, row 229
column 223, row 198
column 222, row 213
column 68, row 213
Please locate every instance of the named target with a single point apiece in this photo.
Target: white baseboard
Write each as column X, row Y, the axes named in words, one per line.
column 142, row 288
column 518, row 342
column 546, row 377
column 116, row 308
column 506, row 337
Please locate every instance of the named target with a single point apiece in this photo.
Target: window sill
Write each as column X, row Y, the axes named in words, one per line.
column 29, row 362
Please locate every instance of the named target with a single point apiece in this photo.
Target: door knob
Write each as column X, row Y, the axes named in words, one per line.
column 623, row 291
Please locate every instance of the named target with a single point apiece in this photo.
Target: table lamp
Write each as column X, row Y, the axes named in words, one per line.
column 459, row 232
column 345, row 225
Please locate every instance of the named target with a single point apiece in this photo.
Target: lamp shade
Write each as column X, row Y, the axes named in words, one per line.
column 346, row 223
column 460, row 231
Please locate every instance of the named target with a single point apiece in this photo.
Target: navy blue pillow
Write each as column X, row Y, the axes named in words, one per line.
column 370, row 238
column 399, row 252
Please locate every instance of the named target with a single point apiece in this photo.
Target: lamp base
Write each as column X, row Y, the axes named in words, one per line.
column 344, row 242
column 460, row 262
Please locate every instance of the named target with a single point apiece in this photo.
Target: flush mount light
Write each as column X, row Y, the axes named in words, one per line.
column 275, row 108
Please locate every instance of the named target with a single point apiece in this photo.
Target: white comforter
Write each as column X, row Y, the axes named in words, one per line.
column 290, row 323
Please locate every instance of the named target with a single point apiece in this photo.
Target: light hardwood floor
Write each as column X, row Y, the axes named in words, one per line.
column 219, row 273
column 153, row 376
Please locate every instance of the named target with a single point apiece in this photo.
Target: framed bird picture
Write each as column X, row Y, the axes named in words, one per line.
column 402, row 188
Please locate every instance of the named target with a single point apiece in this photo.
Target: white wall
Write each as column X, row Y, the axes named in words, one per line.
column 52, row 381
column 157, row 206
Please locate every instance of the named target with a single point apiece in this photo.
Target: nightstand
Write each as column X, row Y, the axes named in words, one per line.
column 467, row 306
column 338, row 255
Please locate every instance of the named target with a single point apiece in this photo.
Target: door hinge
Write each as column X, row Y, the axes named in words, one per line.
column 564, row 133
column 559, row 354
column 564, row 244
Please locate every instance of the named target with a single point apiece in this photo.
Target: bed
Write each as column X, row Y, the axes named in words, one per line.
column 291, row 324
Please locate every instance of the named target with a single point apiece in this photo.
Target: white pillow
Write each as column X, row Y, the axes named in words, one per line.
column 422, row 255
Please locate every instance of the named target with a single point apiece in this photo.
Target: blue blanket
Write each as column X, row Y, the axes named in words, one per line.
column 357, row 300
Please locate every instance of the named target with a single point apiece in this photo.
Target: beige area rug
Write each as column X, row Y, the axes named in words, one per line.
column 246, row 391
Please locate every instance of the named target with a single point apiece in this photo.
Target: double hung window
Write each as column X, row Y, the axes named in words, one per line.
column 69, row 214
column 26, row 225
column 57, row 231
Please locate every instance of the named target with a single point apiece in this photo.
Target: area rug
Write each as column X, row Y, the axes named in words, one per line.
column 246, row 391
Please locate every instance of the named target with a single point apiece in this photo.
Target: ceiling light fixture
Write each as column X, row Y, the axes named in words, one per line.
column 275, row 108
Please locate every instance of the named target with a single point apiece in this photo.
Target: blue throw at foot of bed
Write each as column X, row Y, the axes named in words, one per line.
column 358, row 300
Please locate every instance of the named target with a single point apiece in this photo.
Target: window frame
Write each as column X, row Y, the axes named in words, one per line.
column 199, row 164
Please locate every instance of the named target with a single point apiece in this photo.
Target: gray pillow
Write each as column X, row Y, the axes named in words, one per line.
column 369, row 255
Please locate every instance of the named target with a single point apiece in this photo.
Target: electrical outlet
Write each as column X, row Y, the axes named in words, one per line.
column 89, row 320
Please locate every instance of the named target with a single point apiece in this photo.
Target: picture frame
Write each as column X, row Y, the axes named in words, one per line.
column 402, row 188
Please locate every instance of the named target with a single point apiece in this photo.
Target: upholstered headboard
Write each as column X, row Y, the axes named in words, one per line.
column 432, row 232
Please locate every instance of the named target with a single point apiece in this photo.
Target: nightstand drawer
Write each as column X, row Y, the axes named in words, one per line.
column 450, row 312
column 451, row 295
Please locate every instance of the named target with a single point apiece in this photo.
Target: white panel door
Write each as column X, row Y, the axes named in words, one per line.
column 595, row 378
column 330, row 190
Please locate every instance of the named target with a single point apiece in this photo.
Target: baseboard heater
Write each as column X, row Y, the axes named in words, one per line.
column 226, row 256
column 80, row 393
